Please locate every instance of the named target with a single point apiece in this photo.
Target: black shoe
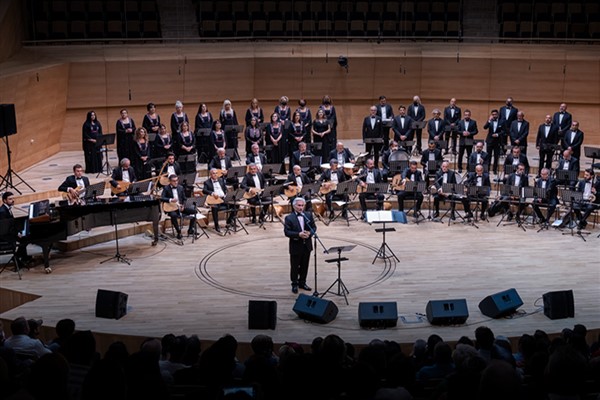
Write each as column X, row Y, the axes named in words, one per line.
column 436, row 214
column 304, row 286
column 331, row 215
column 453, row 217
column 179, row 235
column 253, row 220
column 509, row 217
column 155, row 242
column 469, row 215
column 294, row 289
column 218, row 229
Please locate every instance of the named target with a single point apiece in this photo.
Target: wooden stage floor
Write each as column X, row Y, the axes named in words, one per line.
column 204, row 287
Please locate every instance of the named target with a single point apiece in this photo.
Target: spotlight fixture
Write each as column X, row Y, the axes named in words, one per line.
column 343, row 62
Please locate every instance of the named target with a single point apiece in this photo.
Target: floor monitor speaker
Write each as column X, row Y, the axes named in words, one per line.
column 315, row 309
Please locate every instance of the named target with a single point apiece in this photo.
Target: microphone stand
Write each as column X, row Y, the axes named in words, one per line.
column 316, row 239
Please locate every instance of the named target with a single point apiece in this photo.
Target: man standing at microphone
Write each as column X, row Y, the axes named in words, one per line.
column 299, row 227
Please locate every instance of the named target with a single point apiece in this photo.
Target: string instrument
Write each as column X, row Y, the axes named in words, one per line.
column 252, row 192
column 398, row 183
column 221, row 173
column 171, row 206
column 73, row 198
column 292, row 190
column 360, row 188
column 349, row 169
column 213, row 201
column 327, row 187
column 122, row 186
column 163, row 179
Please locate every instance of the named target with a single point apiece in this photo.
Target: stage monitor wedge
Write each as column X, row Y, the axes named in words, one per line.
column 447, row 312
column 501, row 304
column 559, row 304
column 111, row 304
column 378, row 315
column 315, row 309
column 262, row 314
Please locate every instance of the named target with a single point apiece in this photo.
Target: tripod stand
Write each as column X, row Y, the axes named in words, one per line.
column 573, row 197
column 118, row 256
column 383, row 217
column 7, row 179
column 342, row 290
column 103, row 144
column 231, row 199
column 455, row 190
column 417, row 189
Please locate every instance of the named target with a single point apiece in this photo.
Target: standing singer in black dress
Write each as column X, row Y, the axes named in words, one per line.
column 125, row 135
column 91, row 133
column 299, row 227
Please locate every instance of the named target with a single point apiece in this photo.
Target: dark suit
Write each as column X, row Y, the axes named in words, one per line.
column 543, row 141
column 433, row 132
column 472, row 130
column 373, row 131
column 297, row 156
column 472, row 180
column 519, row 134
column 504, row 204
column 551, row 199
column 346, row 156
column 494, row 141
column 437, row 197
column 389, row 112
column 71, row 182
column 215, row 162
column 452, row 118
column 12, row 234
column 176, row 168
column 167, row 195
column 405, row 194
column 512, row 115
column 247, row 183
column 510, row 160
column 208, row 189
column 587, row 207
column 573, row 165
column 565, row 124
column 573, row 142
column 437, row 157
column 402, row 130
column 332, row 195
column 250, row 159
column 299, row 248
column 483, row 156
column 417, row 115
column 117, row 175
column 305, row 179
column 362, row 198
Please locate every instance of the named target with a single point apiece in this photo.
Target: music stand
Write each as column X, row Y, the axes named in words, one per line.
column 315, row 147
column 414, row 188
column 345, row 189
column 269, row 170
column 232, row 132
column 455, row 190
column 118, row 256
column 91, row 192
column 383, row 217
column 440, row 144
column 138, row 188
column 342, row 290
column 232, row 198
column 537, row 194
column 236, row 172
column 593, row 153
column 406, row 144
column 309, row 163
column 566, row 178
column 271, row 192
column 187, row 162
column 451, row 131
column 203, row 137
column 398, row 166
column 572, row 197
column 374, row 141
column 478, row 194
column 510, row 192
column 103, row 143
column 194, row 203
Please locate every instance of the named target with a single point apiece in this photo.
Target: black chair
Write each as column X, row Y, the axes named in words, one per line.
column 8, row 248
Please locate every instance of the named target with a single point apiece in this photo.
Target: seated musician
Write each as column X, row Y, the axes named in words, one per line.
column 121, row 177
column 444, row 175
column 369, row 174
column 478, row 178
column 174, row 194
column 432, row 153
column 222, row 162
column 342, row 154
column 256, row 157
column 591, row 197
column 385, row 159
column 568, row 163
column 12, row 235
column 215, row 187
column 293, row 184
column 254, row 183
column 329, row 180
column 519, row 179
column 551, row 200
column 299, row 155
column 75, row 184
column 414, row 175
column 171, row 167
column 478, row 157
column 515, row 158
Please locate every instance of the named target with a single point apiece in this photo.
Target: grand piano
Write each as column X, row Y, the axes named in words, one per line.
column 48, row 224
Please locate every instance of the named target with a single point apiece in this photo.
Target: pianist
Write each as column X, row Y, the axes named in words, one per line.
column 12, row 235
column 74, row 184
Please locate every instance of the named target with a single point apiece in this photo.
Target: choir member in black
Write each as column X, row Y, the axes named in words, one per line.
column 519, row 131
column 591, row 197
column 546, row 138
column 518, row 178
column 299, row 227
column 467, row 129
column 386, row 113
column 385, row 159
column 321, row 131
column 452, row 116
column 342, row 154
column 74, row 185
column 163, row 143
column 402, row 127
column 215, row 186
column 573, row 139
column 253, row 134
column 436, row 126
column 91, row 135
column 254, row 183
column 432, row 153
column 545, row 181
column 562, row 119
column 13, row 236
column 294, row 183
column 507, row 114
column 122, row 174
column 178, row 118
column 481, row 179
column 175, row 193
column 185, row 141
column 171, row 166
column 305, row 116
column 125, row 135
column 228, row 118
column 276, row 138
column 254, row 111
column 444, row 175
column 372, row 128
column 331, row 117
column 297, row 133
column 329, row 180
column 217, row 138
column 204, row 120
column 414, row 175
column 222, row 163
column 495, row 138
column 151, row 120
column 283, row 109
column 416, row 111
column 256, row 157
column 369, row 174
column 141, row 154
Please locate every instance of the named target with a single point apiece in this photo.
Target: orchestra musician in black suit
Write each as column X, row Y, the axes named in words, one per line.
column 124, row 173
column 545, row 181
column 481, row 179
column 298, row 155
column 215, row 187
column 495, row 138
column 568, row 163
column 562, row 119
column 75, row 184
column 372, row 129
column 385, row 159
column 294, row 183
column 451, row 117
column 436, row 126
column 519, row 131
column 515, row 158
column 416, row 111
column 254, row 182
column 432, row 153
column 174, row 193
column 547, row 137
column 256, row 157
column 573, row 139
column 518, row 178
column 414, row 175
column 369, row 174
column 342, row 154
column 591, row 197
column 299, row 226
column 329, row 180
column 478, row 157
column 171, row 166
column 467, row 129
column 444, row 175
column 402, row 127
column 223, row 163
column 12, row 235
